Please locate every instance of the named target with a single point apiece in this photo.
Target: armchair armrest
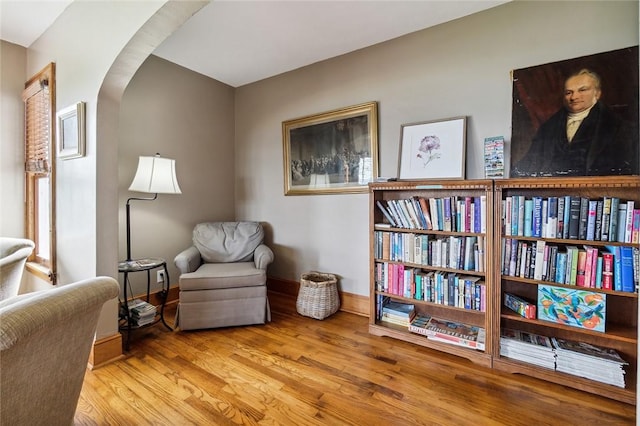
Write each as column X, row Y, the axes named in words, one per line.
column 262, row 256
column 188, row 260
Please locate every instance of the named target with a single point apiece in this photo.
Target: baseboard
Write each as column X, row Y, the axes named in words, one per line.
column 105, row 351
column 284, row 293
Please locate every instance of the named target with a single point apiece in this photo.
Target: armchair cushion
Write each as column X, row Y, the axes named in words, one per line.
column 224, row 242
column 212, row 276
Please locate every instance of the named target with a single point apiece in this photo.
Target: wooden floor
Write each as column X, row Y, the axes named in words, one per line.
column 300, row 371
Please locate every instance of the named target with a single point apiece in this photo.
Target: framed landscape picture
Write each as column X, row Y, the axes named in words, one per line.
column 332, row 152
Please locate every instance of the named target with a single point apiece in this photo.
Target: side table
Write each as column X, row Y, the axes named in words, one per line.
column 147, row 264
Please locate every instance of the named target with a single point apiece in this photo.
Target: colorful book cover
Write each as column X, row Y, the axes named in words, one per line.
column 456, row 333
column 575, row 308
column 494, row 157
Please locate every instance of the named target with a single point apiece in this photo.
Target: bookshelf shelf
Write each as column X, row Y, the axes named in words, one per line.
column 467, row 231
column 621, row 317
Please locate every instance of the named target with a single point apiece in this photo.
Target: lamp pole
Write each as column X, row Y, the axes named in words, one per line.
column 128, row 210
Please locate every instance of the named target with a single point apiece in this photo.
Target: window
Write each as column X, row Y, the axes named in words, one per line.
column 39, row 114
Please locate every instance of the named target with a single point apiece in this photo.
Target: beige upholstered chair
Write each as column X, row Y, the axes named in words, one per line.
column 13, row 256
column 45, row 341
column 223, row 279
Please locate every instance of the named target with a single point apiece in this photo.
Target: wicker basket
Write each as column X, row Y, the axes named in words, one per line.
column 318, row 295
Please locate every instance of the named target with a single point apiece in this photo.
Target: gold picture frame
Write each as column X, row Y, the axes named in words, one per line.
column 71, row 131
column 332, row 152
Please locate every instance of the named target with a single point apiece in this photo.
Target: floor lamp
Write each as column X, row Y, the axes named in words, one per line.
column 155, row 175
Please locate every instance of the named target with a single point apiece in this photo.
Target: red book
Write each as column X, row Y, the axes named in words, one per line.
column 607, row 271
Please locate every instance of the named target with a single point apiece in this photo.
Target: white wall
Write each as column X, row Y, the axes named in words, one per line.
column 458, row 68
column 12, row 79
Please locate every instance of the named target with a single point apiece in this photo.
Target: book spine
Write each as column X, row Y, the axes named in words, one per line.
column 583, row 218
column 528, row 218
column 574, row 218
column 606, row 215
column 591, row 220
column 598, row 231
column 552, row 217
column 629, row 222
column 537, row 217
column 626, row 269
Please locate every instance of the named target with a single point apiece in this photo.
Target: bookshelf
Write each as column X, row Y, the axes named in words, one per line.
column 453, row 247
column 620, row 323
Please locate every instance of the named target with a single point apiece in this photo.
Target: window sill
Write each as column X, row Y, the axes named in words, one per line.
column 39, row 271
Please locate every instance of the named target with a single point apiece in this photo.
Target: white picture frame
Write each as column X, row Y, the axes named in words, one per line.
column 433, row 149
column 71, row 131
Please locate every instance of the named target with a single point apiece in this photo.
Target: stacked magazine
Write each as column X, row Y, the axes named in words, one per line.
column 527, row 347
column 592, row 362
column 451, row 332
column 141, row 312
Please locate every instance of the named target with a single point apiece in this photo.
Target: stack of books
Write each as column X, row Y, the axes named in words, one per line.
column 141, row 312
column 592, row 362
column 398, row 313
column 527, row 347
column 451, row 332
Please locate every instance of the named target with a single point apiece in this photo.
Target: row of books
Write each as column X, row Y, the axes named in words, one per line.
column 581, row 359
column 610, row 267
column 141, row 312
column 454, row 252
column 451, row 332
column 455, row 213
column 443, row 288
column 572, row 217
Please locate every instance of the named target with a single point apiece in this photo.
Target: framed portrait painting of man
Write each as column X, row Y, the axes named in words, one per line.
column 577, row 117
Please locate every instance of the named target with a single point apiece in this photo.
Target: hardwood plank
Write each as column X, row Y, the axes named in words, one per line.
column 300, row 371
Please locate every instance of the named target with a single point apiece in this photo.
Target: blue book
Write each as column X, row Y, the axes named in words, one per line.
column 477, row 215
column 567, row 217
column 528, row 218
column 514, row 214
column 617, row 267
column 626, row 269
column 561, row 268
column 537, row 217
column 599, row 272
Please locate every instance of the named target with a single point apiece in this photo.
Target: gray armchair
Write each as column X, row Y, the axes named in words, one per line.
column 13, row 256
column 223, row 279
column 45, row 341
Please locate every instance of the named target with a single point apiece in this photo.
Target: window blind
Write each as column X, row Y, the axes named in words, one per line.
column 37, row 101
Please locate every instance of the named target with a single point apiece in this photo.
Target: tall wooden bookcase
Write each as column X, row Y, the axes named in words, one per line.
column 406, row 190
column 621, row 324
column 620, row 331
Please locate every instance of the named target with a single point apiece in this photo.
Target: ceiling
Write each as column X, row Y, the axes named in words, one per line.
column 239, row 42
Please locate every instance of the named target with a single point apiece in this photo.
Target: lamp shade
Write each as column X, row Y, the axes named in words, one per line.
column 156, row 175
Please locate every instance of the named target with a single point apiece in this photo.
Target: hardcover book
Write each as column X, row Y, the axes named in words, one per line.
column 575, row 308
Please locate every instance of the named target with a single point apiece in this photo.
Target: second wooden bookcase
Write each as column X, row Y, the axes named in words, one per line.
column 619, row 331
column 478, row 193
